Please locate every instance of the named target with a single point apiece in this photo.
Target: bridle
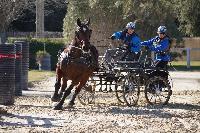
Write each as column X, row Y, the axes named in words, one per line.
column 80, row 41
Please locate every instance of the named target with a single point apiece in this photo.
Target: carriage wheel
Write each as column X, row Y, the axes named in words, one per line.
column 131, row 90
column 118, row 90
column 157, row 91
column 87, row 93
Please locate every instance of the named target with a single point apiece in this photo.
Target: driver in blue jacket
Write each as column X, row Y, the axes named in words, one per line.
column 130, row 39
column 161, row 45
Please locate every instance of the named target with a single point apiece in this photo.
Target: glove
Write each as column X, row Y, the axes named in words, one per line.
column 112, row 37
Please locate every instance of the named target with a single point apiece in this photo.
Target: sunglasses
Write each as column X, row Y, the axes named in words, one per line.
column 161, row 33
column 131, row 28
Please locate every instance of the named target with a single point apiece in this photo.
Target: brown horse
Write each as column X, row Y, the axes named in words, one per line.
column 79, row 62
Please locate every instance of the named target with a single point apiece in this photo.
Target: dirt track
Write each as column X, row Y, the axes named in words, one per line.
column 33, row 112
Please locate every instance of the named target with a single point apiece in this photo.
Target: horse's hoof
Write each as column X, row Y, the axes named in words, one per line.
column 58, row 107
column 55, row 99
column 70, row 105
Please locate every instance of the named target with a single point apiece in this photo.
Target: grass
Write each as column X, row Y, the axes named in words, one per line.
column 36, row 75
column 182, row 65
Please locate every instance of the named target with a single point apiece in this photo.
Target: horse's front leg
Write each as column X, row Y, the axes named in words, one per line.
column 57, row 85
column 61, row 102
column 63, row 87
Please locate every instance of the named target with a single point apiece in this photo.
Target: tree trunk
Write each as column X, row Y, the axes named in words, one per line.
column 3, row 37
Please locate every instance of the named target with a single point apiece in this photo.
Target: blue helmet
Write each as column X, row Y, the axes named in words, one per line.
column 130, row 25
column 162, row 29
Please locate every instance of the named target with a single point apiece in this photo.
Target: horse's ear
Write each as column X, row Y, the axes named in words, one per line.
column 88, row 22
column 79, row 22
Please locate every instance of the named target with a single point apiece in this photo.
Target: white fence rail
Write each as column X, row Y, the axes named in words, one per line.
column 188, row 54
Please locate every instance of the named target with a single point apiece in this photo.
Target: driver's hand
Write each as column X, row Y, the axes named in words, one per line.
column 112, row 37
column 125, row 45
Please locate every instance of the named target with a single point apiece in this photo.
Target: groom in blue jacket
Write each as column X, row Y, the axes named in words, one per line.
column 161, row 45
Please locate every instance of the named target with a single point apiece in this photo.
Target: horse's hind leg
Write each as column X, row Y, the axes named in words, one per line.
column 61, row 102
column 77, row 90
column 57, row 85
column 71, row 102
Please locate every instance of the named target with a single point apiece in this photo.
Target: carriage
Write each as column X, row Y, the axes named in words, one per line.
column 117, row 73
column 127, row 78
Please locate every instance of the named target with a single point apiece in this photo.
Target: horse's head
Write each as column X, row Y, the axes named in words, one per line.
column 82, row 34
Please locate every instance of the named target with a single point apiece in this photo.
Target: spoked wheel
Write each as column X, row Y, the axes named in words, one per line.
column 131, row 90
column 86, row 95
column 118, row 90
column 157, row 91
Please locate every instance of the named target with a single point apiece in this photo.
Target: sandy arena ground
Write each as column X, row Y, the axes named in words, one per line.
column 33, row 112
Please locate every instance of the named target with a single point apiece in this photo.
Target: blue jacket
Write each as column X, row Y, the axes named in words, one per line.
column 133, row 41
column 160, row 47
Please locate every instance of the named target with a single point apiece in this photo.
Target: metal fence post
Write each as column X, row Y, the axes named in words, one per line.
column 188, row 57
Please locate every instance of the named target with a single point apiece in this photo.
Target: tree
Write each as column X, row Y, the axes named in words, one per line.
column 188, row 16
column 105, row 17
column 55, row 11
column 111, row 15
column 75, row 10
column 9, row 9
column 150, row 14
column 108, row 16
column 54, row 14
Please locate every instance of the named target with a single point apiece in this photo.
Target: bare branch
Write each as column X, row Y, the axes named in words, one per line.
column 9, row 9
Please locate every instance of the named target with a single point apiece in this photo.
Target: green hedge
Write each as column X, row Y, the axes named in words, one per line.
column 52, row 46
